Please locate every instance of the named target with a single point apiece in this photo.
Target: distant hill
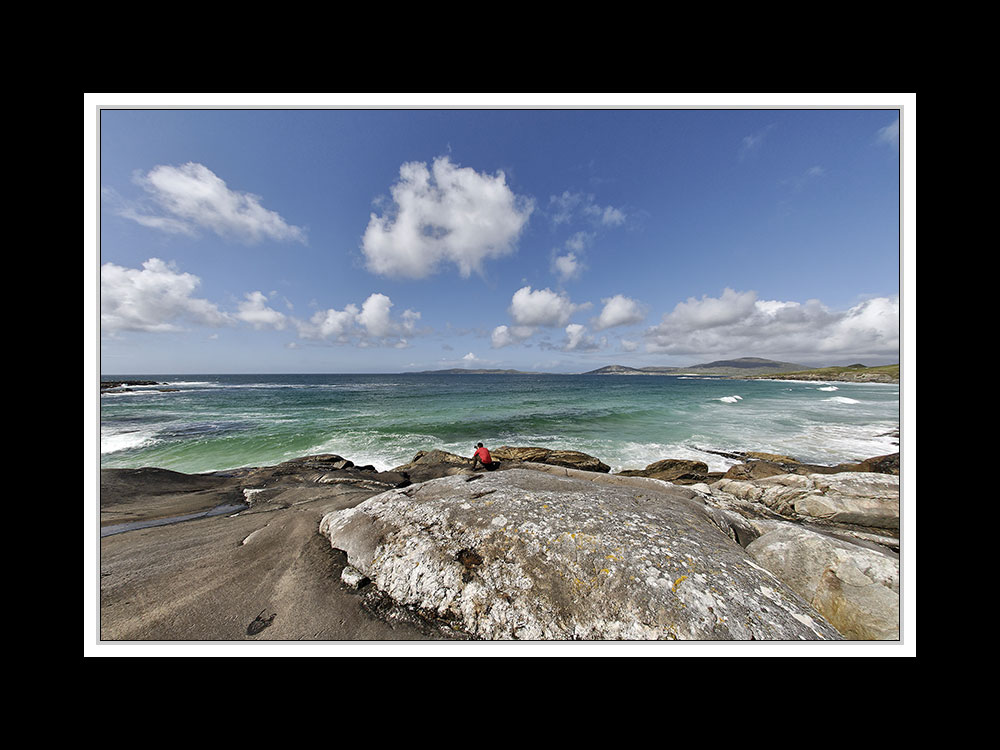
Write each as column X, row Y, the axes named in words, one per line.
column 744, row 366
column 617, row 370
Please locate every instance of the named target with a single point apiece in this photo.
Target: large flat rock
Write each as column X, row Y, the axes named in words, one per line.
column 526, row 554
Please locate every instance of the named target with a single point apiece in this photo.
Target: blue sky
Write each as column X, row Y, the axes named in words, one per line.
column 558, row 240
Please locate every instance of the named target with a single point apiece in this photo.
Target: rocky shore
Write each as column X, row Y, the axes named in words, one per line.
column 551, row 546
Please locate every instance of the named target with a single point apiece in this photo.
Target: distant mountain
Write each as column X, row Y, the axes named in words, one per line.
column 617, row 370
column 741, row 366
column 746, row 363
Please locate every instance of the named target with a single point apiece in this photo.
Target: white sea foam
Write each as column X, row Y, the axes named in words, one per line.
column 842, row 400
column 831, row 444
column 730, row 399
column 828, row 388
column 633, row 455
column 114, row 441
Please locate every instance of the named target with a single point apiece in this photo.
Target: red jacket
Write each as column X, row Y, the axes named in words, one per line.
column 484, row 455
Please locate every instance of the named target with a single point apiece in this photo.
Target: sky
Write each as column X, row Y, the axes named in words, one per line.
column 337, row 239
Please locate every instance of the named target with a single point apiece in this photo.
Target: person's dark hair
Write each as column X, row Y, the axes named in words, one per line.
column 479, row 445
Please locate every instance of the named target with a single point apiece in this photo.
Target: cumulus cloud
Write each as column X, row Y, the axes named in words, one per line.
column 737, row 323
column 255, row 311
column 542, row 307
column 374, row 316
column 192, row 197
column 578, row 339
column 369, row 325
column 567, row 266
column 506, row 335
column 709, row 312
column 619, row 310
column 443, row 215
column 568, row 261
column 157, row 298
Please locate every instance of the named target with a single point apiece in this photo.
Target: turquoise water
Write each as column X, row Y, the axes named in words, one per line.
column 216, row 422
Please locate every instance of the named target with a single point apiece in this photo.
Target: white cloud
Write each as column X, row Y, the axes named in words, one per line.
column 374, row 316
column 801, row 182
column 608, row 216
column 192, row 197
column 752, row 143
column 889, row 134
column 157, row 298
column 370, row 325
column 254, row 310
column 567, row 266
column 507, row 335
column 444, row 215
column 542, row 307
column 578, row 339
column 738, row 324
column 619, row 310
column 579, row 241
column 410, row 318
column 563, row 208
column 709, row 312
column 330, row 325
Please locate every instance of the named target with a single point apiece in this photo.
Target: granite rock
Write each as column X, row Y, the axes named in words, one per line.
column 528, row 554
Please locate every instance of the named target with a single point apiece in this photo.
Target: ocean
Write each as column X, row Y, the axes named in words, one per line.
column 216, row 422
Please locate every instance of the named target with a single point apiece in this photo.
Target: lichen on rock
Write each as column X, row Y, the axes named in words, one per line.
column 525, row 554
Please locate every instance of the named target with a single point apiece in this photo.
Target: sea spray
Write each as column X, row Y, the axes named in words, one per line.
column 215, row 422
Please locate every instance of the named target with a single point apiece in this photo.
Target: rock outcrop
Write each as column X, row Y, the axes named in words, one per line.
column 863, row 499
column 323, row 468
column 434, row 464
column 833, row 538
column 853, row 585
column 528, row 554
column 532, row 551
column 763, row 465
column 569, row 459
column 675, row 470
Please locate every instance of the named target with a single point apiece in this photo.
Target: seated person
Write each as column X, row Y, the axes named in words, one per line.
column 482, row 458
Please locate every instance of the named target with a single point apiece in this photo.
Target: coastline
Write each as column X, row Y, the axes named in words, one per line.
column 216, row 422
column 799, row 378
column 266, row 573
